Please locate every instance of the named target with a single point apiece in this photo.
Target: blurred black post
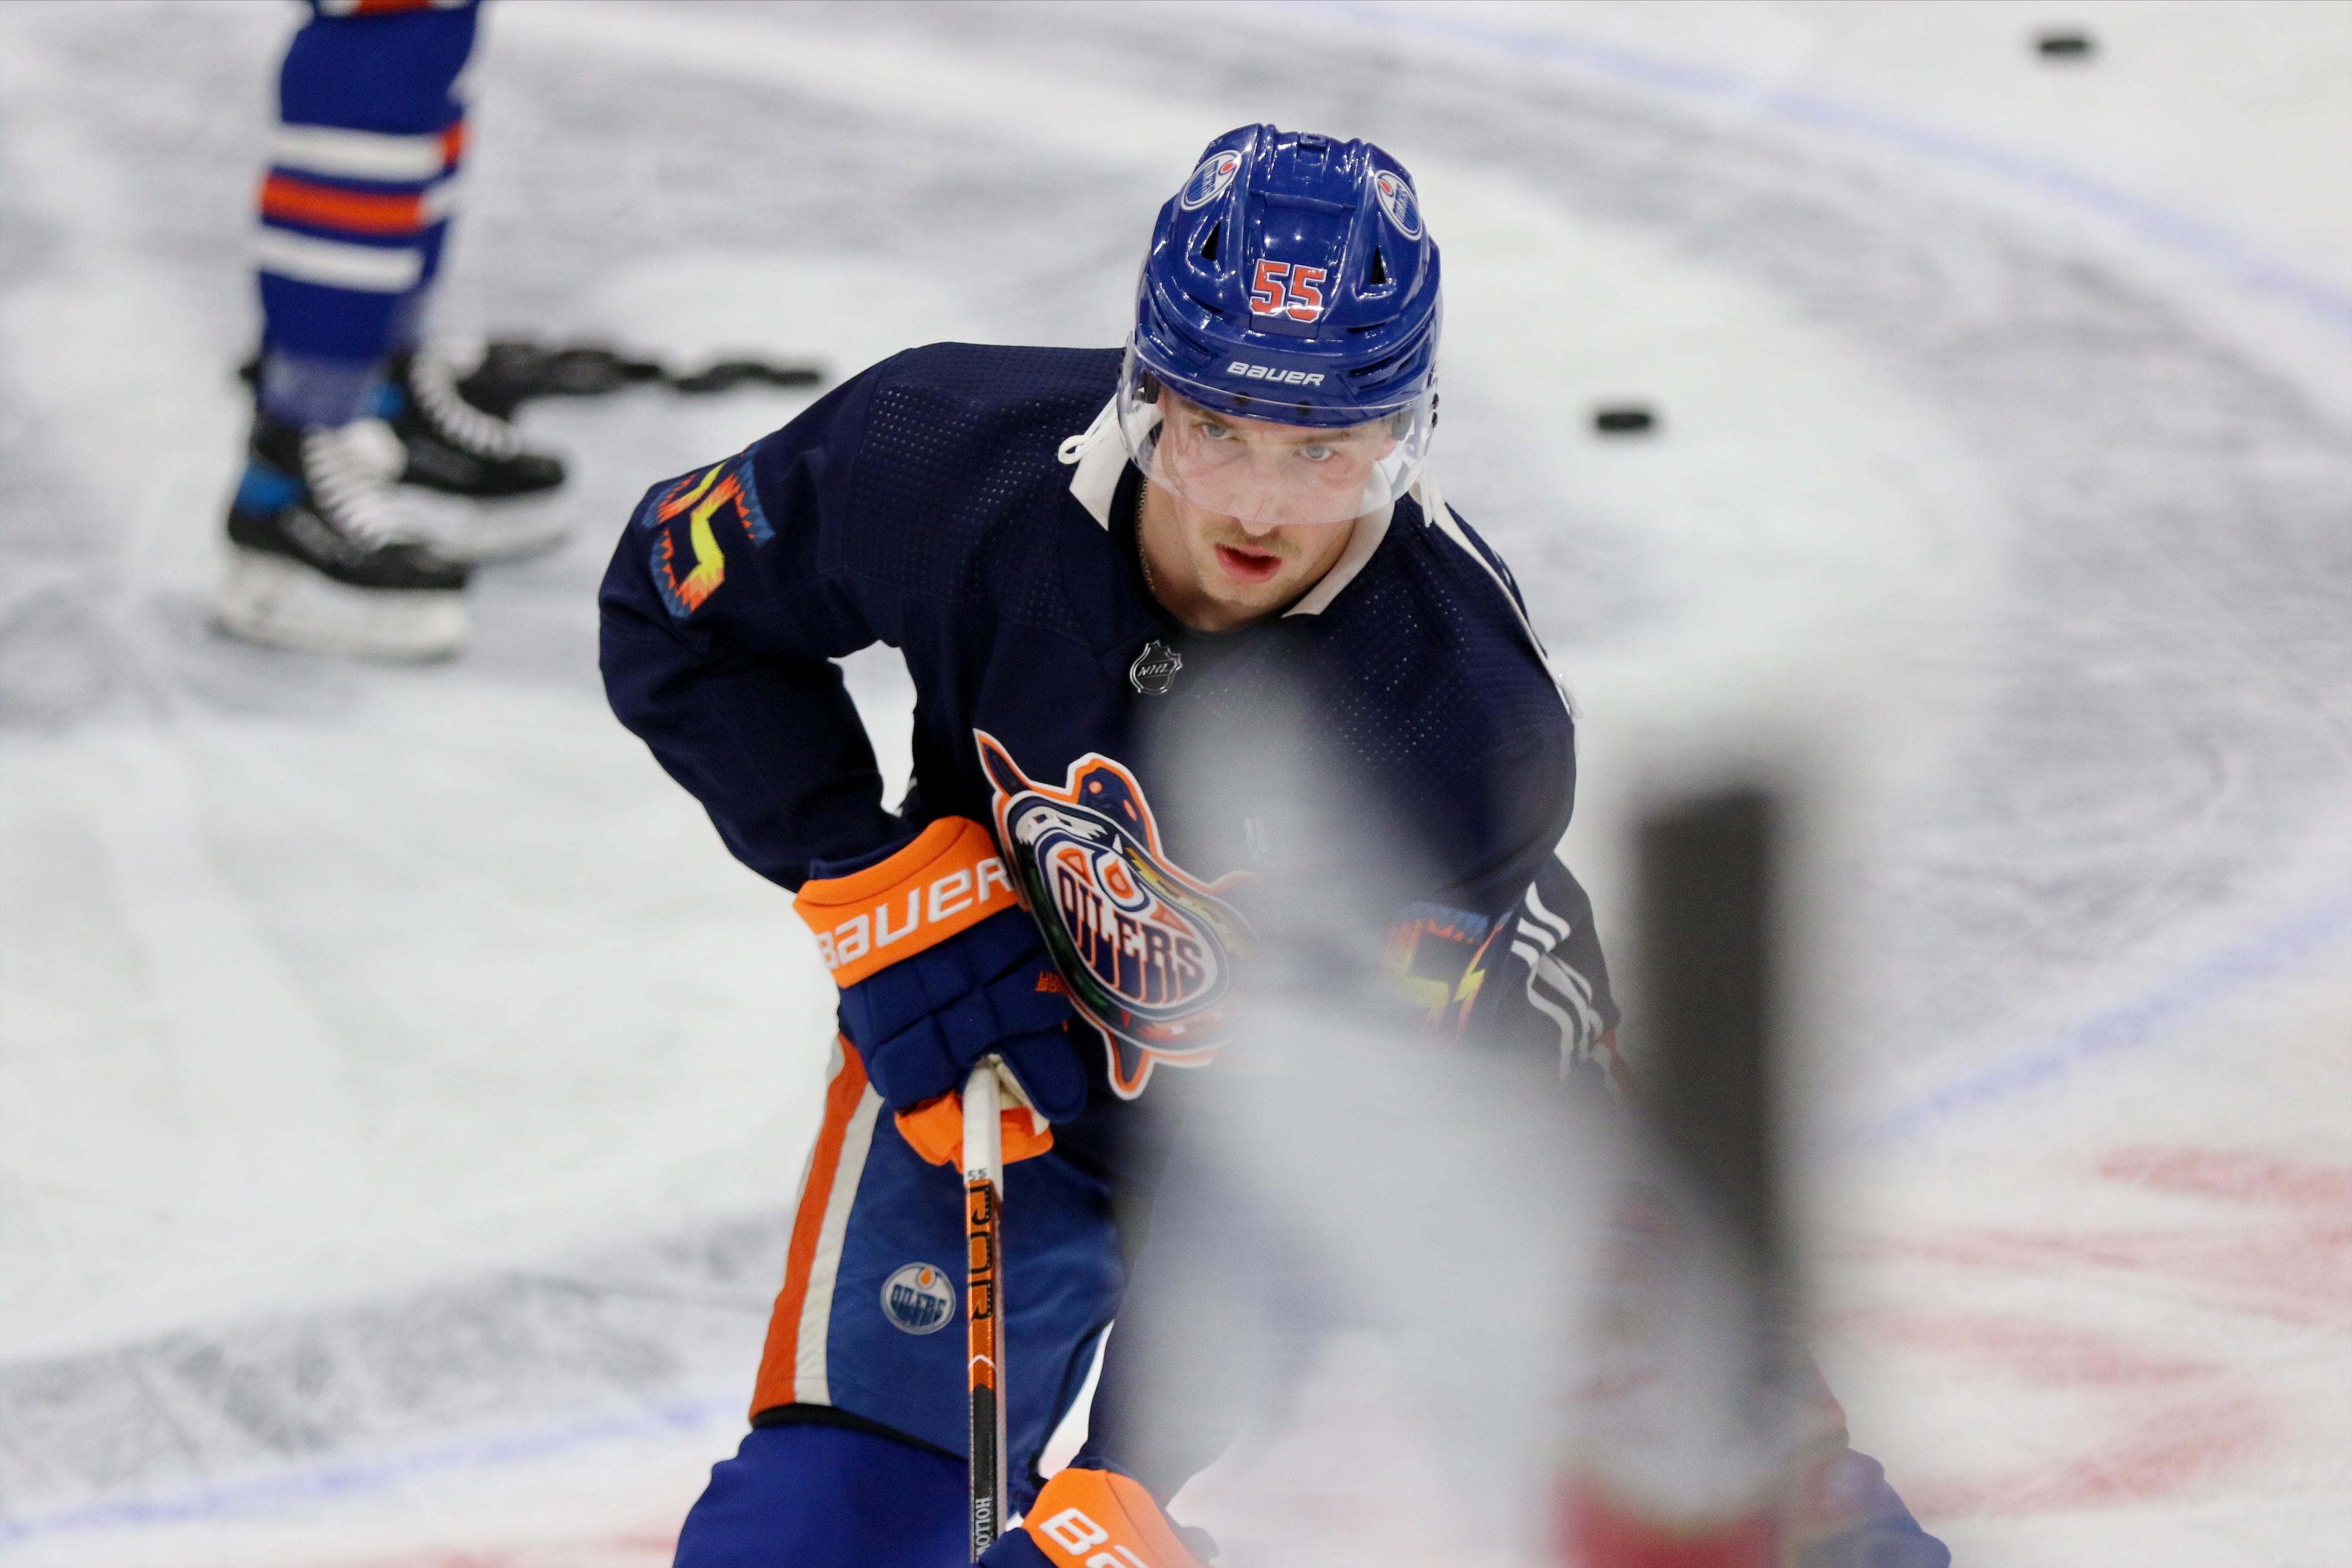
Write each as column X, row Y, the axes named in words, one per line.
column 1683, row 1448
column 1707, row 870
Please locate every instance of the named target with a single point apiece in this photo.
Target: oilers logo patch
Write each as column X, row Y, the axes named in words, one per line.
column 1397, row 201
column 1147, row 950
column 1210, row 179
column 918, row 1300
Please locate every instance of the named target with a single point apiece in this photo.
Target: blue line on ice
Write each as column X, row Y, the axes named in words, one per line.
column 320, row 1483
column 2233, row 259
column 2123, row 1027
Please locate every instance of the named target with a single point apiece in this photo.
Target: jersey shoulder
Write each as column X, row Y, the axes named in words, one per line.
column 955, row 440
column 1441, row 645
column 964, row 430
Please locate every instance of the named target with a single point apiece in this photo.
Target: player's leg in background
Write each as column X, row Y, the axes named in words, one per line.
column 453, row 446
column 329, row 550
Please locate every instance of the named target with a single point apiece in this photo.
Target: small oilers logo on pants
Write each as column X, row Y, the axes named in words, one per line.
column 1147, row 950
column 918, row 1298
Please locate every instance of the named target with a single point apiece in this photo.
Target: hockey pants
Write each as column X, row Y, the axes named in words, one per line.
column 824, row 1497
column 870, row 1328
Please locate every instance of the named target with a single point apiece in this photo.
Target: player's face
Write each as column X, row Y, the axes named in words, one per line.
column 1256, row 470
column 1216, row 571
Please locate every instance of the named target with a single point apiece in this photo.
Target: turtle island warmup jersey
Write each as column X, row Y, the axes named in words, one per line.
column 928, row 504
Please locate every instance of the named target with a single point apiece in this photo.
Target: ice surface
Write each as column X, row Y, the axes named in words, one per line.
column 400, row 1091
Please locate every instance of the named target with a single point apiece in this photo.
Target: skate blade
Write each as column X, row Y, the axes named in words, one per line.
column 508, row 528
column 281, row 603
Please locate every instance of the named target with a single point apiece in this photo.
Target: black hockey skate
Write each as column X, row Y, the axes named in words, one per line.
column 469, row 452
column 325, row 551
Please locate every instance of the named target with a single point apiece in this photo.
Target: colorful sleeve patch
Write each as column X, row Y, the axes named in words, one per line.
column 690, row 519
column 1439, row 956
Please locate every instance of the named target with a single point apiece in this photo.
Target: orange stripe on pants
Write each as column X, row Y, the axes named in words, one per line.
column 780, row 1361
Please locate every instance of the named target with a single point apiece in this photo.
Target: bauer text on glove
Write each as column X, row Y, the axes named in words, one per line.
column 939, row 964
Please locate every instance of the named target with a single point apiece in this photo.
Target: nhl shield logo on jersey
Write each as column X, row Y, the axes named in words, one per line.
column 1147, row 950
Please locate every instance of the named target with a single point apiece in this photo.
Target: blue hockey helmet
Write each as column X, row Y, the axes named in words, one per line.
column 1290, row 301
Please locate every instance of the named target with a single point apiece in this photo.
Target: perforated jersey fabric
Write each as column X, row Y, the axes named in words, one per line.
column 920, row 505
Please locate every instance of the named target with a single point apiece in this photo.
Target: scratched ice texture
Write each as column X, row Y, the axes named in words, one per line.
column 401, row 1095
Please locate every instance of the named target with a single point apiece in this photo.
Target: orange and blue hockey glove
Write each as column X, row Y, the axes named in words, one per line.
column 1096, row 1519
column 938, row 965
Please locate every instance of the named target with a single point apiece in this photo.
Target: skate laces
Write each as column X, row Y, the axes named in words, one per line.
column 353, row 473
column 434, row 387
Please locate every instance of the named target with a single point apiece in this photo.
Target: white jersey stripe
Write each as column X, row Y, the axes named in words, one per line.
column 1536, row 907
column 306, row 259
column 1432, row 509
column 356, row 154
column 810, row 1383
column 1571, row 1029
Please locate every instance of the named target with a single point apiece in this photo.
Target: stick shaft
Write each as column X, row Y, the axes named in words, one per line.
column 984, row 1191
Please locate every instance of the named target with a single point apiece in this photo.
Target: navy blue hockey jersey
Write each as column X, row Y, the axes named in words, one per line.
column 930, row 504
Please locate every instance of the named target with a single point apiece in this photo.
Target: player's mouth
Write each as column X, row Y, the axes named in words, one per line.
column 1245, row 565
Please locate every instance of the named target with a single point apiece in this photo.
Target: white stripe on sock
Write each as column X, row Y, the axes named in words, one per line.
column 307, row 258
column 356, row 154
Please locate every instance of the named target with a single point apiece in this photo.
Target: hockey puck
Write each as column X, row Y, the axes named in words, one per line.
column 1624, row 419
column 2065, row 44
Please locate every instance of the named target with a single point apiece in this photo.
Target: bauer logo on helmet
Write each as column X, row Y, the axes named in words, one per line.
column 1269, row 373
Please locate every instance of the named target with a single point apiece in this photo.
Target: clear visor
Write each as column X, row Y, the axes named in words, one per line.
column 1261, row 471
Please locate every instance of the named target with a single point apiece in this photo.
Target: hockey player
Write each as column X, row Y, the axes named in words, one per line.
column 1078, row 552
column 370, row 484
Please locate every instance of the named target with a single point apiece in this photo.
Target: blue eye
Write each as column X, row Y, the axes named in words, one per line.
column 1315, row 453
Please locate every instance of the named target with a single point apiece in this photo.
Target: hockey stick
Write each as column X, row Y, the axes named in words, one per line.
column 983, row 1198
